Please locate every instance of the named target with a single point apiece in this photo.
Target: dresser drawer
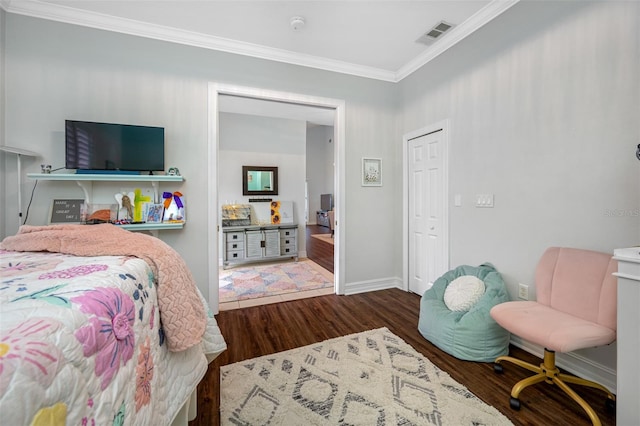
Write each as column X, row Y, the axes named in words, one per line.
column 235, row 245
column 235, row 255
column 288, row 251
column 287, row 241
column 288, row 232
column 234, row 236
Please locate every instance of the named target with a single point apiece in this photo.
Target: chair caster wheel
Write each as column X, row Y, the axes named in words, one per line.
column 610, row 405
column 514, row 403
column 498, row 368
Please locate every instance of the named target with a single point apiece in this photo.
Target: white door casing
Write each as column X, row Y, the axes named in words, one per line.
column 426, row 248
column 216, row 89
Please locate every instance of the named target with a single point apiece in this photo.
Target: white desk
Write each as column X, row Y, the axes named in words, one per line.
column 628, row 373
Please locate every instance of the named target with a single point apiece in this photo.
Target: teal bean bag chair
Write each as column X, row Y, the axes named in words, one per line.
column 469, row 333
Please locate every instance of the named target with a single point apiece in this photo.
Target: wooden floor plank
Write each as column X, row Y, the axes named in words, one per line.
column 319, row 251
column 262, row 330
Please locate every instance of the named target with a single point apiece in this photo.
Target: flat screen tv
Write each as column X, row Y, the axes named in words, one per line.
column 326, row 202
column 96, row 147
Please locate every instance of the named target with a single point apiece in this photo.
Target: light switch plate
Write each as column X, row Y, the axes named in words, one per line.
column 484, row 200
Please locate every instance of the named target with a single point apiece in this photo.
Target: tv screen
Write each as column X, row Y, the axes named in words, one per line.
column 326, row 202
column 107, row 146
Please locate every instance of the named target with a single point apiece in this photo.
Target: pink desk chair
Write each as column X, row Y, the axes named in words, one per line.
column 575, row 309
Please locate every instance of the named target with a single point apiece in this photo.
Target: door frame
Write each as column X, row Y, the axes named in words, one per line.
column 442, row 125
column 214, row 91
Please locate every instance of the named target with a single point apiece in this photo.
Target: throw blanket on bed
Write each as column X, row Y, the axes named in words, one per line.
column 181, row 310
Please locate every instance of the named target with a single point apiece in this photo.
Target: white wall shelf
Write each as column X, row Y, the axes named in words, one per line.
column 152, row 226
column 105, row 177
column 85, row 182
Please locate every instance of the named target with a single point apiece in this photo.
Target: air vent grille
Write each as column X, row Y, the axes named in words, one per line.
column 434, row 33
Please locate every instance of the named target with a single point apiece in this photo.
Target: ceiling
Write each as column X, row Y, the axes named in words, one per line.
column 374, row 39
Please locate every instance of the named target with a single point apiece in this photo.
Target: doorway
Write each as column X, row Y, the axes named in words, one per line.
column 426, row 249
column 338, row 106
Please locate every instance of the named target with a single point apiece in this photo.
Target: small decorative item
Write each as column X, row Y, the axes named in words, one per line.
column 275, row 212
column 173, row 171
column 99, row 213
column 67, row 211
column 173, row 207
column 371, row 172
column 236, row 215
column 126, row 203
column 45, row 168
column 154, row 213
column 143, row 196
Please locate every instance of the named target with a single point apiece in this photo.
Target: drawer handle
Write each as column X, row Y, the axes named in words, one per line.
column 235, row 254
column 235, row 246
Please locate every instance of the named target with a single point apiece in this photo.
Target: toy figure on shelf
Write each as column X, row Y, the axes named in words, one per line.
column 125, row 205
column 173, row 207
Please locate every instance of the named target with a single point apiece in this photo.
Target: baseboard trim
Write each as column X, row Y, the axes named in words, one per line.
column 575, row 364
column 372, row 285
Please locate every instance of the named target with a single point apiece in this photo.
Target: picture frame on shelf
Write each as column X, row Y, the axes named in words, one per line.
column 371, row 171
column 68, row 211
column 155, row 213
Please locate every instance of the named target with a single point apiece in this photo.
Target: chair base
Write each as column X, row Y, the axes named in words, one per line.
column 549, row 373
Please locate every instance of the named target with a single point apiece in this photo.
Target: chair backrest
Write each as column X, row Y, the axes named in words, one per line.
column 580, row 283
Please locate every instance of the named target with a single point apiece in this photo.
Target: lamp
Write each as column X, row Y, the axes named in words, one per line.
column 19, row 153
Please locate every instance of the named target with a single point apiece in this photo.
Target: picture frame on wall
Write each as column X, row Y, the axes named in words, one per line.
column 371, row 171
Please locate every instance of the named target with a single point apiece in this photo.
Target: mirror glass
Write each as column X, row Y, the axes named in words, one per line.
column 258, row 180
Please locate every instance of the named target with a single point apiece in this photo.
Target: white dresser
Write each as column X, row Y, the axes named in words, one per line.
column 256, row 243
column 628, row 340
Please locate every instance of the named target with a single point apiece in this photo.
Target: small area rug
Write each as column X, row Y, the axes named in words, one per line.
column 250, row 282
column 323, row 237
column 369, row 378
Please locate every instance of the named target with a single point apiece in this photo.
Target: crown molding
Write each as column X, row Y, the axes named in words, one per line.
column 53, row 12
column 457, row 34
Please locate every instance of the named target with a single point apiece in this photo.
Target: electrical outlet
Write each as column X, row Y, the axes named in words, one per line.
column 523, row 291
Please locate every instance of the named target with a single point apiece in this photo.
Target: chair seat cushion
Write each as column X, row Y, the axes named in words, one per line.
column 555, row 330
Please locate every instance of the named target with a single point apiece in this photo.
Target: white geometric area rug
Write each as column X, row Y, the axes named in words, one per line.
column 369, row 378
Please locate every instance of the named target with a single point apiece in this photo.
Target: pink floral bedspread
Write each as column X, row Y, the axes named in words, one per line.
column 81, row 343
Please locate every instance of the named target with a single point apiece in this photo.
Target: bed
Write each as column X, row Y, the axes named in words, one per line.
column 98, row 326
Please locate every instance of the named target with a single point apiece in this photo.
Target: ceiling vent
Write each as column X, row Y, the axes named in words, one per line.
column 434, row 33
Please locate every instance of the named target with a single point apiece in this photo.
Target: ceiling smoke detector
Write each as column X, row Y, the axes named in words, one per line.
column 434, row 33
column 297, row 23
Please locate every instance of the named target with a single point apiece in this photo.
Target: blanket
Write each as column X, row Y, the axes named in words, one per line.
column 181, row 310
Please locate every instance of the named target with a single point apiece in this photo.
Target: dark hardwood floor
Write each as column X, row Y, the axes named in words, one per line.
column 262, row 330
column 319, row 251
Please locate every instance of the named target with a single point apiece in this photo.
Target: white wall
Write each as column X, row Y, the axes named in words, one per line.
column 56, row 71
column 544, row 106
column 320, row 166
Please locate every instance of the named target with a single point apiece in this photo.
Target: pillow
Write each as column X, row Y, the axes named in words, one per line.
column 463, row 292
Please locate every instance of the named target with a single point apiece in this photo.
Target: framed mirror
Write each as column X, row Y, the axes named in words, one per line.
column 258, row 180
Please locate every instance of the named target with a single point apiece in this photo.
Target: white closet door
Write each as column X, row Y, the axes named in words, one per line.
column 428, row 257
